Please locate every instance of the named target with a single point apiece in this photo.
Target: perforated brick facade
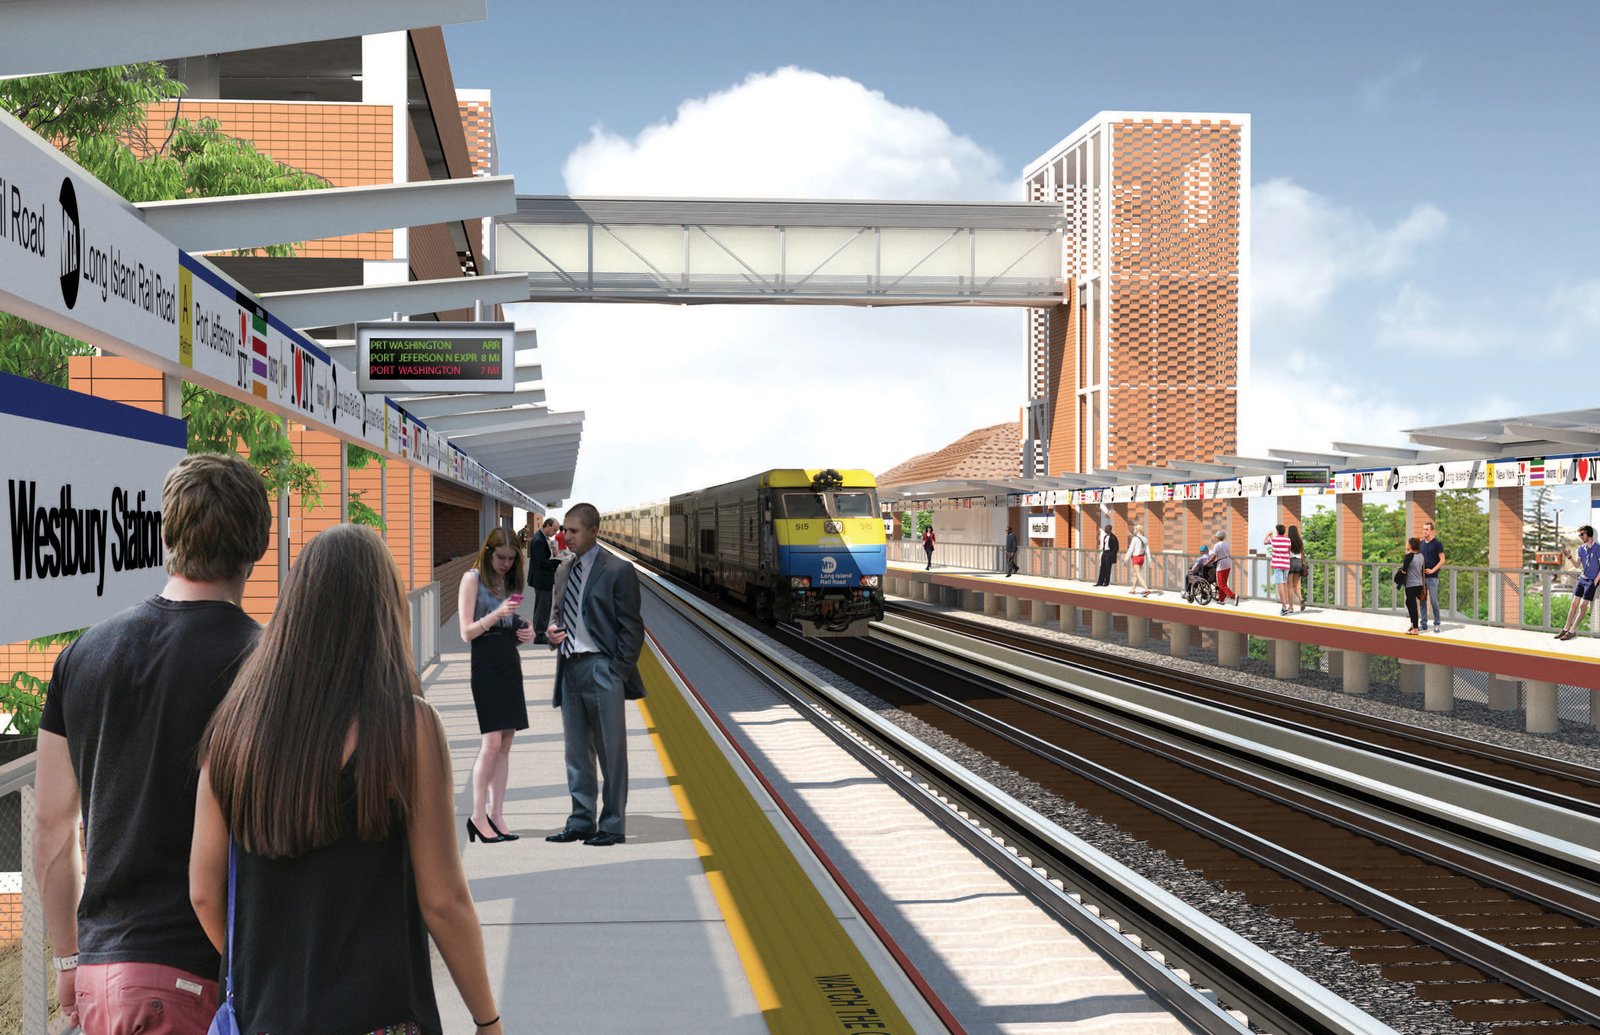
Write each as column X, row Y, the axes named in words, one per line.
column 1144, row 362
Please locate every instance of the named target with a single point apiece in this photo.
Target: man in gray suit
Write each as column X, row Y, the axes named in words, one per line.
column 598, row 634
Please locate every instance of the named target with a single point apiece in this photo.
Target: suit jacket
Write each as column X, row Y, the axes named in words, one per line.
column 1109, row 544
column 611, row 614
column 542, row 564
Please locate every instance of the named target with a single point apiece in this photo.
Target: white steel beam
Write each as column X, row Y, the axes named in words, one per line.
column 431, row 407
column 327, row 307
column 458, row 425
column 41, row 36
column 253, row 220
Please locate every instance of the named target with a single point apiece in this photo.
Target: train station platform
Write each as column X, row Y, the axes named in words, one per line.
column 1516, row 668
column 667, row 932
column 769, row 882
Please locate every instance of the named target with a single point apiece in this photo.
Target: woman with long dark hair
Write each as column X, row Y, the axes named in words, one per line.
column 331, row 776
column 1297, row 569
column 1416, row 583
column 486, row 607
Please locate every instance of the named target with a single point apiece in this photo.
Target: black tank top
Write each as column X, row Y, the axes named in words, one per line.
column 332, row 942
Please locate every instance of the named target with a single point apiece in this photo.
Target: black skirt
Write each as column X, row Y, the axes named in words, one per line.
column 497, row 691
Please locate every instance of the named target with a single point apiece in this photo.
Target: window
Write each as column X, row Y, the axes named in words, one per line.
column 804, row 505
column 854, row 505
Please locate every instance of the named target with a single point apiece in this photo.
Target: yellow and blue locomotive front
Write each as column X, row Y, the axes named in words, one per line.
column 830, row 549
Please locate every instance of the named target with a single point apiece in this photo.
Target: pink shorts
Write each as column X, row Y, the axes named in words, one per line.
column 1138, row 559
column 147, row 998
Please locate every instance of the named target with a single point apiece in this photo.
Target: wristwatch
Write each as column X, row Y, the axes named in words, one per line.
column 65, row 962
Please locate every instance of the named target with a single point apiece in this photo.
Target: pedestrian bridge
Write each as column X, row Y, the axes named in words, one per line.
column 868, row 253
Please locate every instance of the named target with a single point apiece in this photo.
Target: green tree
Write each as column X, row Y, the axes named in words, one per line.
column 1383, row 533
column 1463, row 526
column 1538, row 525
column 1320, row 532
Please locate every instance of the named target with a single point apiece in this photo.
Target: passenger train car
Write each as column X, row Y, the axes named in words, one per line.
column 802, row 546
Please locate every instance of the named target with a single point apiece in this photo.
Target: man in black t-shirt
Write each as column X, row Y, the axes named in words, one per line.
column 127, row 705
column 1433, row 559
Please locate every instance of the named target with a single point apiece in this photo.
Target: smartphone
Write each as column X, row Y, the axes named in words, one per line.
column 516, row 599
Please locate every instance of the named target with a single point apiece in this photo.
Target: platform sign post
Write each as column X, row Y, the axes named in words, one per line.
column 82, row 521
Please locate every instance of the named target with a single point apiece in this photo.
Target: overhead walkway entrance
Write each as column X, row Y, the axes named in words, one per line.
column 867, row 253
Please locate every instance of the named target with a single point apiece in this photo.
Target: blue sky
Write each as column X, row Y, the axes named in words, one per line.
column 1425, row 179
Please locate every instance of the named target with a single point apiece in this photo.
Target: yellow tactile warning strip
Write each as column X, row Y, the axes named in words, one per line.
column 807, row 974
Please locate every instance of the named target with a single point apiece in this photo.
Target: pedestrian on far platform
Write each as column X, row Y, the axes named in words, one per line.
column 1297, row 569
column 1138, row 554
column 1224, row 562
column 1588, row 562
column 1278, row 552
column 1433, row 559
column 1108, row 554
column 927, row 545
column 1416, row 585
column 1011, row 552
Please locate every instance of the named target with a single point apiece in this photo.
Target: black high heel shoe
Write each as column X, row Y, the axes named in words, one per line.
column 503, row 835
column 474, row 834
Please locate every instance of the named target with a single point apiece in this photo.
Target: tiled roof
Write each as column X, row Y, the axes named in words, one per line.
column 994, row 452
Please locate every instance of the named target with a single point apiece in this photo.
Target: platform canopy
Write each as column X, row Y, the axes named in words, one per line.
column 701, row 250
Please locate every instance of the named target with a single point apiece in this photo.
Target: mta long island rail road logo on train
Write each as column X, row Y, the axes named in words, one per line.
column 795, row 545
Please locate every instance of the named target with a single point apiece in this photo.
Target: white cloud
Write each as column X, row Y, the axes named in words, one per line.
column 1296, row 401
column 1574, row 318
column 677, row 397
column 1306, row 248
column 1417, row 320
column 792, row 133
column 1379, row 91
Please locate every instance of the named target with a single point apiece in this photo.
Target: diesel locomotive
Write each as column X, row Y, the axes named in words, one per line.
column 795, row 545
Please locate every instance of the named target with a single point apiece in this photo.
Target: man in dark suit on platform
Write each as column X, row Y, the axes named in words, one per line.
column 598, row 633
column 1108, row 554
column 542, row 565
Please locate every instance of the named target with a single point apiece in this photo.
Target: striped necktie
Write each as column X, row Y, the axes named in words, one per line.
column 571, row 601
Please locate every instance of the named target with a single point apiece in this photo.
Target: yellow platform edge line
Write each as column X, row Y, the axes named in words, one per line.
column 807, row 974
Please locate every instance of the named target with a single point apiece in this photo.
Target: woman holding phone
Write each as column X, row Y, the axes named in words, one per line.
column 490, row 593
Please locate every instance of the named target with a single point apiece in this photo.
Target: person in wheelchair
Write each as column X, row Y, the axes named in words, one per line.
column 1201, row 584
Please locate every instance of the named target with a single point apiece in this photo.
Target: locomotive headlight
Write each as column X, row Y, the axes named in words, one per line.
column 799, row 581
column 870, row 581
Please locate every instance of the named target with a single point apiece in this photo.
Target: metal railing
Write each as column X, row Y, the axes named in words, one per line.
column 424, row 605
column 1519, row 598
column 17, row 796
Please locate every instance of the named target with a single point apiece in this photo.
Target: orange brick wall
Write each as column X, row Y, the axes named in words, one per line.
column 350, row 145
column 10, row 919
column 1174, row 299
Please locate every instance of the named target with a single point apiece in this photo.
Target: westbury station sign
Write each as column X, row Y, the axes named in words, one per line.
column 83, row 477
column 81, row 535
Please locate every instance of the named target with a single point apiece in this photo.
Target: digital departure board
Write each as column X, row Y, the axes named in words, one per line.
column 1307, row 477
column 423, row 356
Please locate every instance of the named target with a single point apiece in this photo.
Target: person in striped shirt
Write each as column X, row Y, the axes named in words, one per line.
column 1278, row 550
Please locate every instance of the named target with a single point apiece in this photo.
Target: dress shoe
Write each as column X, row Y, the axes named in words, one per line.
column 474, row 834
column 568, row 836
column 604, row 840
column 503, row 835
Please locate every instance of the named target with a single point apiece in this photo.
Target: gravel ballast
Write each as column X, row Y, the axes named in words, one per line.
column 1391, row 1002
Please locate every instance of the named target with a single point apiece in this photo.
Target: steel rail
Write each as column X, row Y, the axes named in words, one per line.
column 1271, row 992
column 1169, row 681
column 1543, row 982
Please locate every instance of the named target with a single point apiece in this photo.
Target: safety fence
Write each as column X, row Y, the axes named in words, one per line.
column 1513, row 598
column 21, row 911
column 424, row 607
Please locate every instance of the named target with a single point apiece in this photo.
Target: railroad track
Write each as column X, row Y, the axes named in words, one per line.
column 1506, row 933
column 1553, row 781
column 1199, row 969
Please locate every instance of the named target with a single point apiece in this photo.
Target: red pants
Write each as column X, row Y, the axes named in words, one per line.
column 147, row 998
column 1223, row 592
